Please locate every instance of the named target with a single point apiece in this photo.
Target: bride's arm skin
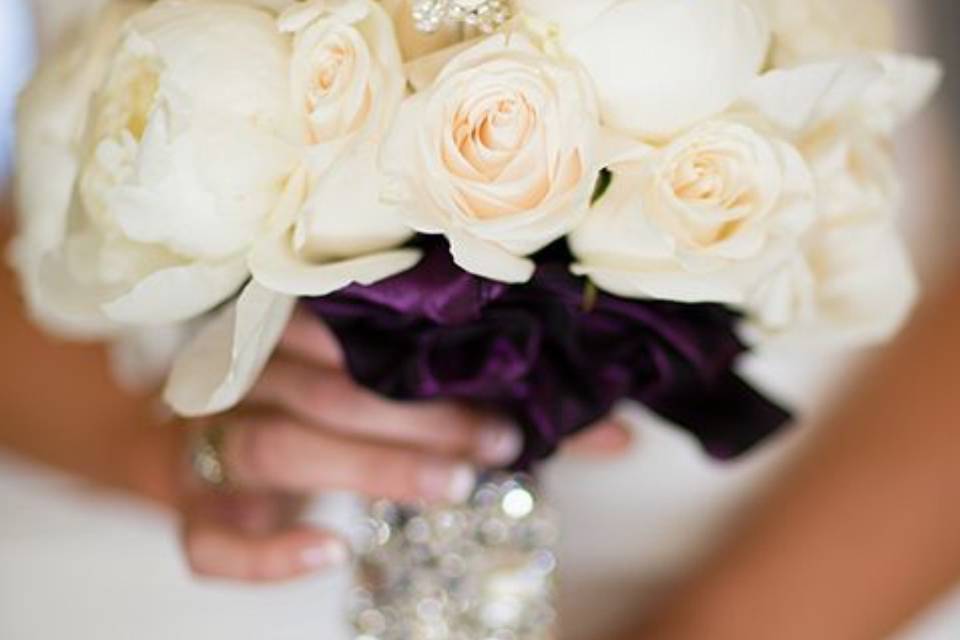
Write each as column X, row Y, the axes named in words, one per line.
column 864, row 531
column 59, row 406
column 306, row 428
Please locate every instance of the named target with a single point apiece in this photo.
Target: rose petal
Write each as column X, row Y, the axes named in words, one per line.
column 908, row 83
column 488, row 260
column 224, row 360
column 275, row 266
column 799, row 98
column 665, row 284
column 177, row 293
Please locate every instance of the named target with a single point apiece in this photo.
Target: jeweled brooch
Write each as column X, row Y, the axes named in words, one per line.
column 485, row 15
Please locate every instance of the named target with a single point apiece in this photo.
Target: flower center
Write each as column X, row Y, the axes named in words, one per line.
column 337, row 92
column 699, row 180
column 503, row 128
column 716, row 197
column 129, row 95
column 330, row 68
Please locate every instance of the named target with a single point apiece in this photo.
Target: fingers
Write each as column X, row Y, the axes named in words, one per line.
column 278, row 453
column 309, row 339
column 610, row 438
column 330, row 399
column 304, row 384
column 217, row 548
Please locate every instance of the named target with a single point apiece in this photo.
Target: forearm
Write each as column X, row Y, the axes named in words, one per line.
column 863, row 532
column 62, row 408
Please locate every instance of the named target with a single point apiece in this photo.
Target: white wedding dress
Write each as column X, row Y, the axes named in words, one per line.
column 79, row 565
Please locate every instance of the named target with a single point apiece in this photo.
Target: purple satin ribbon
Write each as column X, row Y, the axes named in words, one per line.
column 552, row 354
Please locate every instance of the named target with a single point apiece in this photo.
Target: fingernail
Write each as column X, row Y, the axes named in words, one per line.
column 499, row 444
column 445, row 483
column 326, row 555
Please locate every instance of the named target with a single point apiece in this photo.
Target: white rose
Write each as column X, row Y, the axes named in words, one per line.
column 807, row 30
column 348, row 83
column 189, row 144
column 50, row 120
column 700, row 220
column 660, row 66
column 500, row 154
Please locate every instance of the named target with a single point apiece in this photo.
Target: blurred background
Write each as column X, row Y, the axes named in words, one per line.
column 78, row 563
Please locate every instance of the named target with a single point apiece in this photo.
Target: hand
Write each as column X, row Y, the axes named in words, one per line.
column 308, row 428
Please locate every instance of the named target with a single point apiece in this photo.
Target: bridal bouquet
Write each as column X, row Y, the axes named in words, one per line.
column 544, row 207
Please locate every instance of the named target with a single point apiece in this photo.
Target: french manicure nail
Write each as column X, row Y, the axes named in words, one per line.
column 326, row 555
column 446, row 483
column 499, row 443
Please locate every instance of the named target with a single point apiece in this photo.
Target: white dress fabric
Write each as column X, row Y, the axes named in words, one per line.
column 79, row 565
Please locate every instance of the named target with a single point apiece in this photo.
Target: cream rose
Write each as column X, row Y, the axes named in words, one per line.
column 501, row 154
column 347, row 83
column 700, row 220
column 660, row 66
column 808, row 30
column 346, row 72
column 187, row 149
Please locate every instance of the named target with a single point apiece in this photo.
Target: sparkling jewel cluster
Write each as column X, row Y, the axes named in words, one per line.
column 481, row 571
column 486, row 15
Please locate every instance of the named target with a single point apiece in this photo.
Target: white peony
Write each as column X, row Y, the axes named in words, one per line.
column 853, row 285
column 50, row 120
column 188, row 146
column 500, row 154
column 660, row 66
column 853, row 282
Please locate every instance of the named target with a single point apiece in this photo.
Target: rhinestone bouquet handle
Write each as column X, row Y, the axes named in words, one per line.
column 481, row 571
